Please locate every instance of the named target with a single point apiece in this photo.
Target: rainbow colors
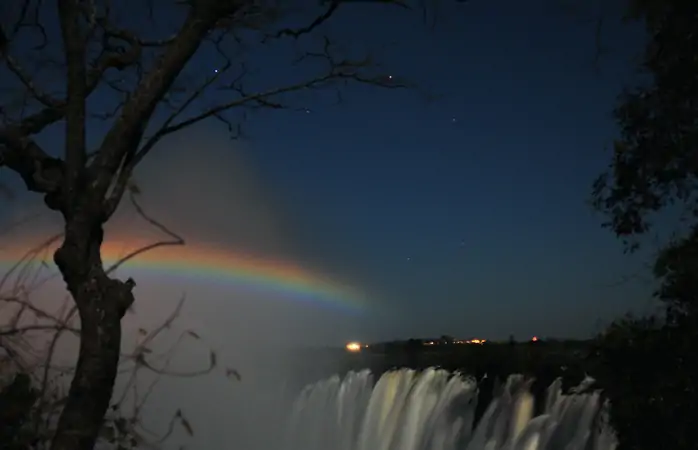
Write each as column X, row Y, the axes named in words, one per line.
column 203, row 263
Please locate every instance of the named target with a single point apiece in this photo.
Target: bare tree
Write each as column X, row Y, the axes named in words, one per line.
column 31, row 403
column 154, row 92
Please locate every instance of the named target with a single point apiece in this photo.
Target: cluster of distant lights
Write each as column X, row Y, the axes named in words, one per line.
column 355, row 347
column 471, row 341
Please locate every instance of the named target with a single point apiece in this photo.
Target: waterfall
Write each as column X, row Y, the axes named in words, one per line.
column 435, row 410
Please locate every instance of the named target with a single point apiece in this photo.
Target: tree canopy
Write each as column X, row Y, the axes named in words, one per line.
column 655, row 163
column 654, row 167
column 647, row 366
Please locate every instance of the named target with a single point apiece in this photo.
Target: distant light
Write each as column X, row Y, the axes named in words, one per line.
column 353, row 347
column 534, row 339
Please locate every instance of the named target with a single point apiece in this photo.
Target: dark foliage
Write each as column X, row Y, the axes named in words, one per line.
column 16, row 401
column 655, row 164
column 648, row 371
column 677, row 267
column 648, row 367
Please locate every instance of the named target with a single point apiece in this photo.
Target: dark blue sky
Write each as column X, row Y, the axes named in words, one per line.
column 473, row 204
column 459, row 206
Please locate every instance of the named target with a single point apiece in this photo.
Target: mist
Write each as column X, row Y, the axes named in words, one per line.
column 201, row 186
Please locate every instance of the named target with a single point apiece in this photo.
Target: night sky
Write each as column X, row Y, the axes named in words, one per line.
column 459, row 207
column 470, row 210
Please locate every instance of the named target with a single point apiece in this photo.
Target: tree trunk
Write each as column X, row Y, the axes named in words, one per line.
column 101, row 303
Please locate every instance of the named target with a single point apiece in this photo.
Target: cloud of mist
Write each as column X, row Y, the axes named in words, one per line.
column 200, row 185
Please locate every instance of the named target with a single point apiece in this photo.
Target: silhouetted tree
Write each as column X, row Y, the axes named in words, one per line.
column 647, row 366
column 655, row 160
column 647, row 370
column 154, row 92
column 29, row 338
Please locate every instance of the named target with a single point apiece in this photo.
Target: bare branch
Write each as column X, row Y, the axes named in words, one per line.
column 319, row 20
column 175, row 239
column 69, row 14
column 27, row 81
column 338, row 70
column 112, row 202
column 147, row 91
column 122, row 140
column 123, row 422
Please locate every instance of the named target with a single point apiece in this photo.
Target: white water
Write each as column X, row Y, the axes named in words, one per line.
column 434, row 410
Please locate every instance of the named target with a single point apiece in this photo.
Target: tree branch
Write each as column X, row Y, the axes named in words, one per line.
column 40, row 172
column 319, row 20
column 18, row 152
column 74, row 49
column 122, row 423
column 124, row 136
column 338, row 70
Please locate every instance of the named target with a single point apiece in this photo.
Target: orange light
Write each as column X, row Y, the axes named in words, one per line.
column 534, row 339
column 353, row 347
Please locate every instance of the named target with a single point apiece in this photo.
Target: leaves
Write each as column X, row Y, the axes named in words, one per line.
column 655, row 160
column 654, row 166
column 641, row 365
column 677, row 267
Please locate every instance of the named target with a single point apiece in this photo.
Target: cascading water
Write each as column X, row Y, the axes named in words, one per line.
column 435, row 410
